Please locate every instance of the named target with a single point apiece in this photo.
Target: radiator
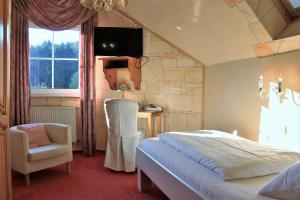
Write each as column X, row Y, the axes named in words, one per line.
column 63, row 115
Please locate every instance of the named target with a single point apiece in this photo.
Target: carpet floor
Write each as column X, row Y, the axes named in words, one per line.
column 88, row 180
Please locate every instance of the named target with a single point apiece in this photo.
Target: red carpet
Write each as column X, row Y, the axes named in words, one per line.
column 89, row 180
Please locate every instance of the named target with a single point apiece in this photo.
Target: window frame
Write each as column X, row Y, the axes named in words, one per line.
column 52, row 92
column 293, row 12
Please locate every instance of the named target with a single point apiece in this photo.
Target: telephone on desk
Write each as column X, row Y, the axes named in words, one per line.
column 152, row 108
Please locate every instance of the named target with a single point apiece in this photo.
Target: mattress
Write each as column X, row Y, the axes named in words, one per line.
column 230, row 156
column 204, row 181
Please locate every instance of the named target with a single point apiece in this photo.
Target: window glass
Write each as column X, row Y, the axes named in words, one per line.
column 40, row 74
column 40, row 41
column 295, row 3
column 54, row 59
column 68, row 69
column 66, row 44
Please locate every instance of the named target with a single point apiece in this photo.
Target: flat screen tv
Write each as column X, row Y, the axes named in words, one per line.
column 111, row 41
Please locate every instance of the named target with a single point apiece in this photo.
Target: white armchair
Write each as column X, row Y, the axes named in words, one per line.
column 26, row 160
column 123, row 136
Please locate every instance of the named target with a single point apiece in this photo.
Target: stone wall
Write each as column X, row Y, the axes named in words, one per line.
column 170, row 79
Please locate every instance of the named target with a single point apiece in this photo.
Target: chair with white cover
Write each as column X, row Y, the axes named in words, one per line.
column 123, row 135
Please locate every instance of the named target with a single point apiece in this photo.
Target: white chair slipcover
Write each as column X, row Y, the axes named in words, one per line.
column 123, row 136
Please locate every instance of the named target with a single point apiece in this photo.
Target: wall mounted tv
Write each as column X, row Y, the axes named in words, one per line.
column 111, row 41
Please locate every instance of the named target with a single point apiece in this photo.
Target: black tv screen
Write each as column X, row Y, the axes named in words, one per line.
column 111, row 41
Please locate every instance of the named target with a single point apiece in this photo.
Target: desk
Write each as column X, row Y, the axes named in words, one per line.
column 150, row 116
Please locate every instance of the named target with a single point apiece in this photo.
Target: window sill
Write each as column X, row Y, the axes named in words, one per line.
column 55, row 93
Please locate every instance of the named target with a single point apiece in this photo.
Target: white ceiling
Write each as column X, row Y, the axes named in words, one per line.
column 211, row 31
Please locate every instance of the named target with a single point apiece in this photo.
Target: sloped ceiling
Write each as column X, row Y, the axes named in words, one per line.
column 211, row 31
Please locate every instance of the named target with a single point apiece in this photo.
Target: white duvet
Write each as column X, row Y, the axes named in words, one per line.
column 229, row 156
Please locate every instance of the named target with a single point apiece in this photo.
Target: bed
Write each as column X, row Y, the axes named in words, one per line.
column 180, row 177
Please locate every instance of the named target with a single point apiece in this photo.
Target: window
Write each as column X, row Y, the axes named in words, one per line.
column 292, row 7
column 295, row 3
column 54, row 62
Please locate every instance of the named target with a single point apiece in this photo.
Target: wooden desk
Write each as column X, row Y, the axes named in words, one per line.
column 150, row 116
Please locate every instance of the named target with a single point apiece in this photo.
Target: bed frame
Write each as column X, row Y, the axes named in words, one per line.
column 150, row 170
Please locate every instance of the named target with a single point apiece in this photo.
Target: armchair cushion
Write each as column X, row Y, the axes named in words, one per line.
column 36, row 134
column 47, row 151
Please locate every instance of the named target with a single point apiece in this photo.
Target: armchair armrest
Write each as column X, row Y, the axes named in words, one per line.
column 58, row 133
column 19, row 149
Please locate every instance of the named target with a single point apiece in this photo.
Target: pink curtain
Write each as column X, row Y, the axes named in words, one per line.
column 56, row 15
column 19, row 69
column 87, row 86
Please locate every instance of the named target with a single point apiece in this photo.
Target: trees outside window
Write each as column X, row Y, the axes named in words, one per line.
column 54, row 59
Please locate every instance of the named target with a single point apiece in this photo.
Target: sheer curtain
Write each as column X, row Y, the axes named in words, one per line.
column 53, row 15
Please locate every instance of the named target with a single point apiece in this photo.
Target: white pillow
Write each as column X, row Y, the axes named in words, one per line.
column 285, row 185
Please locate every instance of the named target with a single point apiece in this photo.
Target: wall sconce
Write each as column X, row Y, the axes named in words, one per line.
column 290, row 94
column 261, row 83
column 279, row 85
column 277, row 88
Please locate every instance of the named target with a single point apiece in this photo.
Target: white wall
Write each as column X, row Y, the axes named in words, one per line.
column 232, row 101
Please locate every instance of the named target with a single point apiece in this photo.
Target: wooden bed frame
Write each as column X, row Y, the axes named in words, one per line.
column 171, row 185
